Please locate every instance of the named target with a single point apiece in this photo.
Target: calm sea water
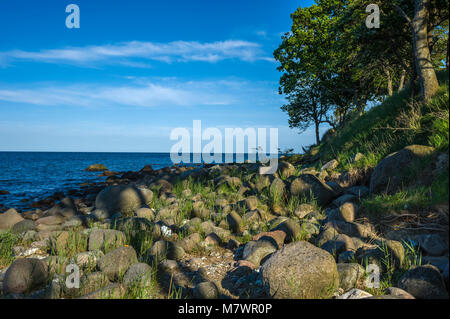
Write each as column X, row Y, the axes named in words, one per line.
column 35, row 175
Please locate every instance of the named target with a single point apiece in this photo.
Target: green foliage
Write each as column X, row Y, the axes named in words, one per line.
column 7, row 241
column 333, row 65
column 384, row 204
column 390, row 126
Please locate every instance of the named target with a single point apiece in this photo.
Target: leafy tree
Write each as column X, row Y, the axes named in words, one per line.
column 426, row 17
column 306, row 56
column 305, row 108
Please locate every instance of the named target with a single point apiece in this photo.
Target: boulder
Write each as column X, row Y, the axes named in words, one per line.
column 23, row 226
column 286, row 169
column 261, row 182
column 310, row 187
column 50, row 220
column 302, row 210
column 190, row 242
column 92, row 282
column 163, row 249
column 116, row 263
column 432, row 244
column 251, row 203
column 139, row 274
column 88, row 259
column 256, row 251
column 300, row 270
column 341, row 200
column 96, row 168
column 357, row 157
column 339, row 244
column 349, row 274
column 291, row 228
column 348, row 211
column 234, row 222
column 212, row 239
column 123, row 199
column 24, row 275
column 388, row 175
column 424, row 282
column 276, row 237
column 169, row 266
column 352, row 229
column 277, row 186
column 145, row 213
column 331, row 165
column 394, row 291
column 206, row 290
column 9, row 218
column 106, row 239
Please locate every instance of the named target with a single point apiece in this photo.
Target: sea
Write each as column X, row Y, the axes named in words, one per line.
column 36, row 175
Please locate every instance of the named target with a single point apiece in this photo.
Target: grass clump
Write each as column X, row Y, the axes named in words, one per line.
column 7, row 241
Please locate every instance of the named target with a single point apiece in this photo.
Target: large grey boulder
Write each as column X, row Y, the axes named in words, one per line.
column 349, row 274
column 9, row 218
column 424, row 282
column 300, row 270
column 24, row 275
column 123, row 199
column 388, row 175
column 310, row 187
column 116, row 263
column 138, row 275
column 106, row 239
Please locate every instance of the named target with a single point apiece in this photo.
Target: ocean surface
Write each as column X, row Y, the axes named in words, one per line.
column 35, row 175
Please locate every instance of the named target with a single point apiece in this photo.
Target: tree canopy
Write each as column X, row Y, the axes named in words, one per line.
column 333, row 65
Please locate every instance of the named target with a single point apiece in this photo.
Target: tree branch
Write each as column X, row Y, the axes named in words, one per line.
column 402, row 13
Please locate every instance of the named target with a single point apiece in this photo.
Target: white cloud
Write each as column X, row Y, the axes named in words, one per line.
column 132, row 53
column 144, row 93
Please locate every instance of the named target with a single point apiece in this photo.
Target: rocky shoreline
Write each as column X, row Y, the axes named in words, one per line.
column 222, row 231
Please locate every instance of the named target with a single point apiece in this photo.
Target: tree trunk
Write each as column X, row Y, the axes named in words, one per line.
column 448, row 47
column 317, row 132
column 389, row 82
column 401, row 84
column 427, row 76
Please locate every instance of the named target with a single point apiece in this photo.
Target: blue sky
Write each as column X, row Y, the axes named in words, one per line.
column 137, row 69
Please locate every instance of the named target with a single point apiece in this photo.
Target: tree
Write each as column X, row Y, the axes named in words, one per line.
column 427, row 13
column 305, row 108
column 306, row 55
column 380, row 57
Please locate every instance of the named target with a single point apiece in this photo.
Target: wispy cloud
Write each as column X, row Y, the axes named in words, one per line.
column 143, row 93
column 135, row 52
